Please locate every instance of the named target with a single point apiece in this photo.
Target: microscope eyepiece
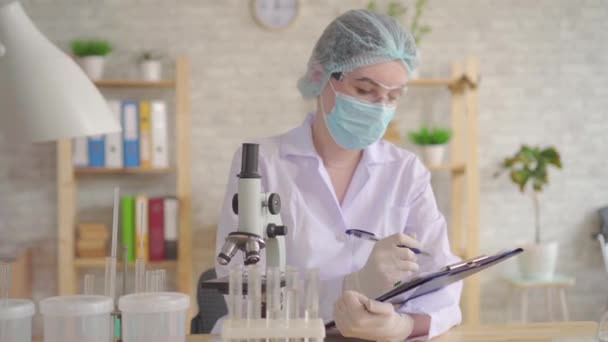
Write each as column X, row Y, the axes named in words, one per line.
column 249, row 161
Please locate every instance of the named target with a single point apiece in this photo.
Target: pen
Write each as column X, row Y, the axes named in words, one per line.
column 362, row 234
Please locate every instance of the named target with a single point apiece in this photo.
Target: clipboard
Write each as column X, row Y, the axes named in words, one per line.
column 425, row 284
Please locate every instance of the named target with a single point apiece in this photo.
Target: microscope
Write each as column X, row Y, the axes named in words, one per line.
column 259, row 223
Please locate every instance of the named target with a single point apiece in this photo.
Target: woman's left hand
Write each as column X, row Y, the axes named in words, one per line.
column 360, row 317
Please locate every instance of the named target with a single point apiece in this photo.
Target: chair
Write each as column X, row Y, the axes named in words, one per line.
column 211, row 306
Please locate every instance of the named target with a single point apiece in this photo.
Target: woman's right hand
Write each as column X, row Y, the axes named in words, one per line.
column 386, row 265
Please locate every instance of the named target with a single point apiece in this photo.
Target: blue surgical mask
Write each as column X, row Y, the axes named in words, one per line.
column 355, row 124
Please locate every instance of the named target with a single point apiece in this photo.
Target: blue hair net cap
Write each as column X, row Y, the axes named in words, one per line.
column 354, row 39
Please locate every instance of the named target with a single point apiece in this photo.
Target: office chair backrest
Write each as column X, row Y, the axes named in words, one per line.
column 211, row 306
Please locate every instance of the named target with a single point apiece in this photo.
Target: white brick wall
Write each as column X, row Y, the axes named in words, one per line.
column 543, row 65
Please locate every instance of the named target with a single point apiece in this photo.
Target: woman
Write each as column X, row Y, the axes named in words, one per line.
column 334, row 173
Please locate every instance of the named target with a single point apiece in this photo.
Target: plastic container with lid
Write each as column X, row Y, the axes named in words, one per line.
column 82, row 318
column 154, row 317
column 16, row 320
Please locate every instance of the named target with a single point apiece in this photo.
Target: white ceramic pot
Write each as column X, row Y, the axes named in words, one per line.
column 92, row 66
column 150, row 70
column 538, row 261
column 433, row 154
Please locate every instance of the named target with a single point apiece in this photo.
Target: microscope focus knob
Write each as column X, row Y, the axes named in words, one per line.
column 274, row 204
column 273, row 230
column 235, row 204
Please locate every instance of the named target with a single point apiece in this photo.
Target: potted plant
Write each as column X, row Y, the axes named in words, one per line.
column 530, row 165
column 432, row 143
column 91, row 55
column 418, row 30
column 150, row 67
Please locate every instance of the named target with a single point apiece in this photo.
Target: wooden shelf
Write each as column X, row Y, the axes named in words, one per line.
column 68, row 265
column 455, row 168
column 135, row 84
column 112, row 171
column 98, row 262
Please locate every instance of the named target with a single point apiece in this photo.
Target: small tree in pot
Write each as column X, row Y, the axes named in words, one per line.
column 530, row 165
column 150, row 67
column 432, row 143
column 91, row 55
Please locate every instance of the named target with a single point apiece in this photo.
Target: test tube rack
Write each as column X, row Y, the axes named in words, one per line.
column 283, row 315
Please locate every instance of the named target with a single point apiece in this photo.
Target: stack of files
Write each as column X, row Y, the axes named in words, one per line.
column 92, row 240
column 157, row 238
column 143, row 142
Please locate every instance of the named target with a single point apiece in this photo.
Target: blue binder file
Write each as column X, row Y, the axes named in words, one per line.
column 97, row 151
column 130, row 133
column 424, row 284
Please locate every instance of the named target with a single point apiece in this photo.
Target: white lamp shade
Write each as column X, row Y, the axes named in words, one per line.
column 44, row 94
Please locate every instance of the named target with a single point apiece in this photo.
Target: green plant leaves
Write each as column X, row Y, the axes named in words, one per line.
column 530, row 164
column 90, row 47
column 397, row 10
column 425, row 136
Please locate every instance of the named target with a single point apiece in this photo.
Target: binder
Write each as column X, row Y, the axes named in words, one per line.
column 141, row 231
column 127, row 225
column 171, row 227
column 80, row 152
column 114, row 140
column 156, row 248
column 96, row 147
column 160, row 143
column 145, row 135
column 425, row 284
column 130, row 133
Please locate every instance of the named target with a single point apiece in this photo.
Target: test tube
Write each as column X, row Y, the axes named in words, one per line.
column 140, row 275
column 312, row 294
column 235, row 293
column 161, row 280
column 273, row 293
column 254, row 293
column 110, row 277
column 292, row 294
column 5, row 280
column 150, row 281
column 89, row 284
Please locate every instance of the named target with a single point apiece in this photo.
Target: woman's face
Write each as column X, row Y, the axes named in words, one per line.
column 379, row 83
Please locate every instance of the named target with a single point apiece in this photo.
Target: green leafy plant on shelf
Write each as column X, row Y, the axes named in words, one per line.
column 425, row 136
column 149, row 55
column 530, row 165
column 90, row 47
column 397, row 10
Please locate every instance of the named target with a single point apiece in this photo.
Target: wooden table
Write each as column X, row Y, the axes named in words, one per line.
column 537, row 332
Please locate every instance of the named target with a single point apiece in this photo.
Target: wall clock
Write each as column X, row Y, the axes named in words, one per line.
column 275, row 14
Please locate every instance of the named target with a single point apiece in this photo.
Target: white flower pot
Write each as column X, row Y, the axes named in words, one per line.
column 433, row 154
column 150, row 70
column 92, row 66
column 538, row 261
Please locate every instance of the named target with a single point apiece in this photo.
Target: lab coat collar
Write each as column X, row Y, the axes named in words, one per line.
column 298, row 142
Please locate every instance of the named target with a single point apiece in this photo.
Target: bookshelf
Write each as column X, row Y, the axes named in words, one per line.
column 463, row 225
column 69, row 178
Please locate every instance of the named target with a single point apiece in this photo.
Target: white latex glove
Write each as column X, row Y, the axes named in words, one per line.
column 386, row 265
column 357, row 316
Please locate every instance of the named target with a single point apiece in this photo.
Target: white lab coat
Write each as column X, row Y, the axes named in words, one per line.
column 390, row 192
